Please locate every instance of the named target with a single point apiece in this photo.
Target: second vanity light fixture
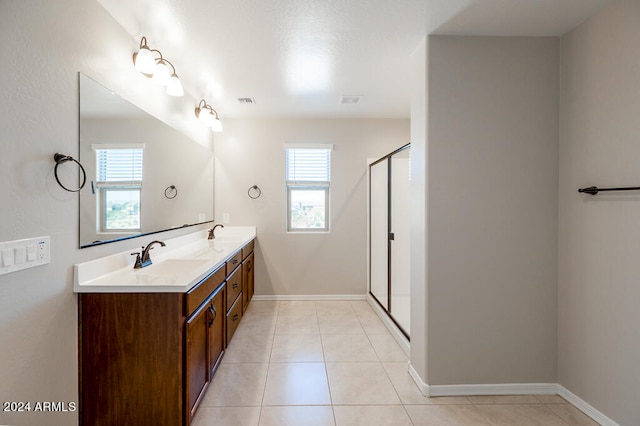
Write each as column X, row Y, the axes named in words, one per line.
column 208, row 116
column 157, row 68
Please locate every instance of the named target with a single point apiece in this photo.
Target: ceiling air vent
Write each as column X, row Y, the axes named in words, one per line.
column 350, row 99
column 247, row 101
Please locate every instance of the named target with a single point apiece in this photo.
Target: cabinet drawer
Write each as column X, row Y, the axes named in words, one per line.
column 233, row 319
column 201, row 291
column 248, row 248
column 234, row 287
column 234, row 262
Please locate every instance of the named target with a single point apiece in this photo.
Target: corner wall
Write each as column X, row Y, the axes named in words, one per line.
column 492, row 221
column 599, row 237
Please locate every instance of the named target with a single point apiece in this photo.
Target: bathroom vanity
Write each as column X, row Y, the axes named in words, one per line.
column 151, row 339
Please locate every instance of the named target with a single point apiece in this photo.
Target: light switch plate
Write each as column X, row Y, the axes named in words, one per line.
column 23, row 254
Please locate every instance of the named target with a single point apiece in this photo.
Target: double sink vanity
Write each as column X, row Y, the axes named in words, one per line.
column 151, row 339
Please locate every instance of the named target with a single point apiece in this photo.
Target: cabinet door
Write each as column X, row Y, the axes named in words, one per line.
column 197, row 357
column 247, row 281
column 216, row 331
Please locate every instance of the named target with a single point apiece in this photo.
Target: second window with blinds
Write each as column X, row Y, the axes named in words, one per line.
column 308, row 177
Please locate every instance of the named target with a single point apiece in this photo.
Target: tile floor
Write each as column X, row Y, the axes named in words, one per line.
column 299, row 363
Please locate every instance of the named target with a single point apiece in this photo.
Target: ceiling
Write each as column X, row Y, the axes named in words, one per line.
column 298, row 57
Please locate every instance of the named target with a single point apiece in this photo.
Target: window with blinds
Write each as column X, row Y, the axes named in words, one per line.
column 119, row 165
column 119, row 171
column 308, row 176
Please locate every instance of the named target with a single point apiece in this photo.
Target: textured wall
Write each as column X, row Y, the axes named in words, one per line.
column 44, row 45
column 599, row 241
column 251, row 152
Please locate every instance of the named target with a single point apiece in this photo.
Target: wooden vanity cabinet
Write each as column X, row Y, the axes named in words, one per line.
column 204, row 347
column 147, row 358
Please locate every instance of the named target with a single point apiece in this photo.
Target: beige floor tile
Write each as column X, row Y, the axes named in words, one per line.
column 297, row 415
column 551, row 399
column 572, row 415
column 347, row 348
column 408, row 390
column 297, row 348
column 258, row 323
column 237, row 385
column 361, row 307
column 371, row 415
column 339, row 307
column 263, row 306
column 227, row 416
column 503, row 399
column 387, row 348
column 520, row 414
column 248, row 348
column 297, row 384
column 297, row 306
column 360, row 383
column 297, row 323
column 445, row 415
column 373, row 325
column 339, row 324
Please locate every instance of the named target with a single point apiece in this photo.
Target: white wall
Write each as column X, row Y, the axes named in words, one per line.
column 492, row 203
column 44, row 45
column 599, row 240
column 250, row 152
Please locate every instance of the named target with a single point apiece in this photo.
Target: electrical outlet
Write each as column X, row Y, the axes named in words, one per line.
column 225, row 218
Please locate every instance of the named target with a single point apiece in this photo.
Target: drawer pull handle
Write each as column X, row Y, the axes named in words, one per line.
column 234, row 286
column 212, row 311
column 235, row 261
column 235, row 317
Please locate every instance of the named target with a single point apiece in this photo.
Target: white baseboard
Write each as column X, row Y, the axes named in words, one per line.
column 424, row 388
column 583, row 406
column 511, row 389
column 391, row 326
column 495, row 389
column 310, row 297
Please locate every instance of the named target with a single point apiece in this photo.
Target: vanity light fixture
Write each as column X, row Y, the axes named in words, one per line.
column 208, row 116
column 157, row 68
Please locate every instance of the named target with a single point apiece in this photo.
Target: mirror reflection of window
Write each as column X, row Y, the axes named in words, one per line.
column 118, row 186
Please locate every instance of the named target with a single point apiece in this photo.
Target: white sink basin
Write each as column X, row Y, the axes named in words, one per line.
column 173, row 267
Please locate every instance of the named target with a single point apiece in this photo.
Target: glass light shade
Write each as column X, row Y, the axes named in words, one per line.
column 174, row 88
column 205, row 117
column 145, row 61
column 217, row 125
column 161, row 74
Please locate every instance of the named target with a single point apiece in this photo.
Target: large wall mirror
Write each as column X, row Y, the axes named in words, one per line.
column 142, row 175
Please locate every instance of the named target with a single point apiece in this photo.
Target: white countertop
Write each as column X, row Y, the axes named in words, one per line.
column 176, row 268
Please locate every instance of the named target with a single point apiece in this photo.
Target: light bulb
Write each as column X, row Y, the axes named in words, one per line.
column 174, row 88
column 217, row 125
column 161, row 74
column 144, row 61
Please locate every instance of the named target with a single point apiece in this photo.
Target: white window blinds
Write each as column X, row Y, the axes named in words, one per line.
column 119, row 165
column 308, row 165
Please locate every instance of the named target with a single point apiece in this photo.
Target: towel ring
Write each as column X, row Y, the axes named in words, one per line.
column 171, row 189
column 257, row 192
column 59, row 159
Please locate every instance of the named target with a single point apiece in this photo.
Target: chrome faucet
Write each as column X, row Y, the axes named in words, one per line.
column 143, row 259
column 212, row 235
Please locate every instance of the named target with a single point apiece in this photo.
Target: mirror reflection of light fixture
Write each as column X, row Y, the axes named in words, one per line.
column 157, row 69
column 208, row 116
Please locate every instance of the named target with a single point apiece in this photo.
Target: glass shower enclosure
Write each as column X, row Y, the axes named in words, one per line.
column 389, row 235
